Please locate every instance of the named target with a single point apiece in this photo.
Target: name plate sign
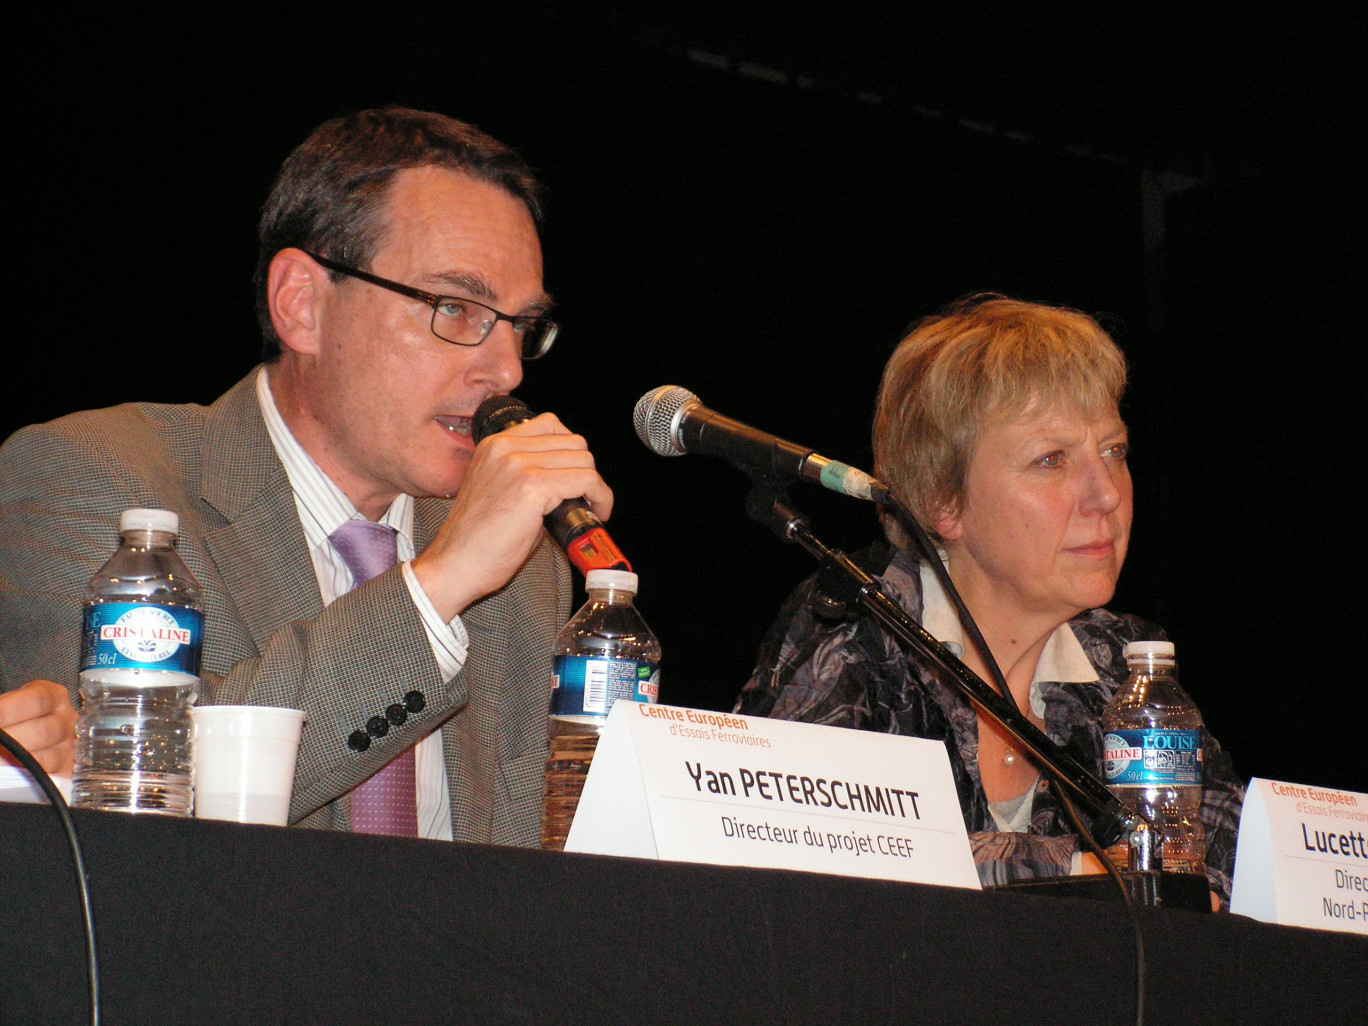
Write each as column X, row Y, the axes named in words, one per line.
column 695, row 786
column 1302, row 857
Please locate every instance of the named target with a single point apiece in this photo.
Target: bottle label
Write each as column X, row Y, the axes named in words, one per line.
column 140, row 635
column 1152, row 758
column 586, row 686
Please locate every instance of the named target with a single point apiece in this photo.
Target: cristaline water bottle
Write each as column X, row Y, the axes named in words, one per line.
column 139, row 674
column 1152, row 736
column 605, row 653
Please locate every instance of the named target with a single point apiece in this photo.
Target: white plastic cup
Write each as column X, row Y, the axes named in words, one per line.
column 245, row 761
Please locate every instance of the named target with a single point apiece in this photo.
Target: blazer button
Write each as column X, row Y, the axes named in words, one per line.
column 377, row 726
column 396, row 714
column 359, row 741
column 414, row 702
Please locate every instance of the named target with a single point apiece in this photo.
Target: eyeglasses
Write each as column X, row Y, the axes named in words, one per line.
column 460, row 321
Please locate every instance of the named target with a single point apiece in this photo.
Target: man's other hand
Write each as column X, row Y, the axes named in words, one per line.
column 40, row 717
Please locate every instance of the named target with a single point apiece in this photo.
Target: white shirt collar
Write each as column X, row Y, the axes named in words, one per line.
column 323, row 507
column 1061, row 661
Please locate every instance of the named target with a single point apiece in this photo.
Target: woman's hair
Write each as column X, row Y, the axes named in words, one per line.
column 983, row 357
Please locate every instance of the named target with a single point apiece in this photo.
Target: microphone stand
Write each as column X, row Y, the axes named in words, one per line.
column 841, row 582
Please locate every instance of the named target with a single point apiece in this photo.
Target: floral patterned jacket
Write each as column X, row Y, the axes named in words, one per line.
column 850, row 673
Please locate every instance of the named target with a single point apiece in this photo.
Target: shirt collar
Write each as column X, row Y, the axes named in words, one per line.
column 323, row 506
column 1062, row 661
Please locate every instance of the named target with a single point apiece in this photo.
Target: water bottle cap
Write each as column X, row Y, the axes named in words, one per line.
column 149, row 520
column 615, row 580
column 1148, row 650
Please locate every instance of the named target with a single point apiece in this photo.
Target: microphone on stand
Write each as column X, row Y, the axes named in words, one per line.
column 671, row 421
column 580, row 533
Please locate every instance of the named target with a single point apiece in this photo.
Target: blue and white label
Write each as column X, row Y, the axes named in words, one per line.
column 585, row 686
column 140, row 635
column 1152, row 758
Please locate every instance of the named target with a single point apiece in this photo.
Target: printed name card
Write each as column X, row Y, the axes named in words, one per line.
column 695, row 786
column 1302, row 857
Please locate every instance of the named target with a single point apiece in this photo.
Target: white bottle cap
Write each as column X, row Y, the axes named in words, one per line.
column 149, row 520
column 1148, row 649
column 615, row 580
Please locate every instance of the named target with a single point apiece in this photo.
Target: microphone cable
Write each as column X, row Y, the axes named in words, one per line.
column 971, row 628
column 59, row 805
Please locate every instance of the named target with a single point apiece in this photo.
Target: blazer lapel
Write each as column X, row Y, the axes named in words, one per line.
column 260, row 552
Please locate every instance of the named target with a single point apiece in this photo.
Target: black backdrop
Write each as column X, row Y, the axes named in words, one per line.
column 756, row 211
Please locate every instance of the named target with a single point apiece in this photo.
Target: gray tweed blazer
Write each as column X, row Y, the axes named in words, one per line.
column 268, row 638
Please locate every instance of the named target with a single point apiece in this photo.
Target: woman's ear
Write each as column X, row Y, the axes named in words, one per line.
column 946, row 522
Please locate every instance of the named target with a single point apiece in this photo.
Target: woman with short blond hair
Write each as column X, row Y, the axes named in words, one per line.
column 998, row 426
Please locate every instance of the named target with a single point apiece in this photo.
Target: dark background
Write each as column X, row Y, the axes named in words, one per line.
column 755, row 206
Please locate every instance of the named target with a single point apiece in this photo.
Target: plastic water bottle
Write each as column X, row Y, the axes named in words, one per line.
column 140, row 656
column 605, row 653
column 1152, row 738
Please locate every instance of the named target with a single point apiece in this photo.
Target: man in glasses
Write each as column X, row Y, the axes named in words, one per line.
column 362, row 558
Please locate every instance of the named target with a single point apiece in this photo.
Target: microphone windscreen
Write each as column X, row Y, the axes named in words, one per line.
column 656, row 418
column 496, row 413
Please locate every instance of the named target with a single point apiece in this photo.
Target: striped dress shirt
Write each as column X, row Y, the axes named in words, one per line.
column 322, row 510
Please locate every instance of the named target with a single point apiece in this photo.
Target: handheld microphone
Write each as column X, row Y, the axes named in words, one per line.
column 671, row 421
column 580, row 533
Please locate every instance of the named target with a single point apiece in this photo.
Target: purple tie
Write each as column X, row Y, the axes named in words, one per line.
column 387, row 803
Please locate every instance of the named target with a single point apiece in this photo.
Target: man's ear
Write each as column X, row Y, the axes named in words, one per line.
column 295, row 286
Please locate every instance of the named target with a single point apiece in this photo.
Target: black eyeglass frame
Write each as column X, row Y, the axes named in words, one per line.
column 551, row 328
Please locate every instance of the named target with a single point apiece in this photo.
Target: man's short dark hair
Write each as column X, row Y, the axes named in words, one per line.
column 330, row 194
